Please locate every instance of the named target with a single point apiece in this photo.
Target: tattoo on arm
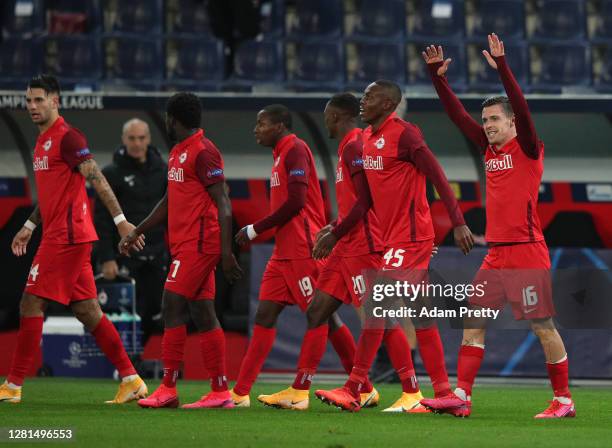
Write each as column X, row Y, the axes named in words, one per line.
column 91, row 171
column 35, row 216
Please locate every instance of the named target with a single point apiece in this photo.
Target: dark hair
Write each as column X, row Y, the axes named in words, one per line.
column 347, row 102
column 48, row 83
column 393, row 90
column 186, row 109
column 279, row 114
column 503, row 100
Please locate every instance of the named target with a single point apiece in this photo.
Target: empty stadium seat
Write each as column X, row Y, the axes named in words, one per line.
column 20, row 59
column 504, row 17
column 73, row 16
column 199, row 63
column 430, row 19
column 135, row 61
column 381, row 19
column 319, row 66
column 418, row 74
column 483, row 78
column 318, row 18
column 259, row 62
column 272, row 18
column 139, row 16
column 22, row 18
column 74, row 59
column 561, row 65
column 375, row 60
column 603, row 28
column 560, row 19
column 191, row 18
column 603, row 80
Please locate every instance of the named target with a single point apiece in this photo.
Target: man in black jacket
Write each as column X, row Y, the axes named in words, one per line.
column 138, row 176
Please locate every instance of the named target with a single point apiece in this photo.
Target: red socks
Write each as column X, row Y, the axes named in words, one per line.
column 470, row 358
column 368, row 345
column 259, row 347
column 213, row 352
column 432, row 353
column 28, row 341
column 399, row 352
column 313, row 349
column 173, row 346
column 110, row 343
column 559, row 378
column 344, row 344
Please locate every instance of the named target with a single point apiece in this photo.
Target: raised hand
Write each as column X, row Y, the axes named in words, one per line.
column 433, row 54
column 20, row 242
column 497, row 49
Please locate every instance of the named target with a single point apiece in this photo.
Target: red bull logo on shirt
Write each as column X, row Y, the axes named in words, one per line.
column 505, row 163
column 176, row 174
column 373, row 163
column 41, row 163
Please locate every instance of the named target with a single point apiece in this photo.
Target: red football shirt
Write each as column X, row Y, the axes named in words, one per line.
column 293, row 162
column 398, row 188
column 193, row 220
column 364, row 237
column 513, row 184
column 62, row 197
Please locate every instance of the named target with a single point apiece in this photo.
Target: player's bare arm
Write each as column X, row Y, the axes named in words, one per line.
column 158, row 215
column 231, row 268
column 525, row 127
column 22, row 238
column 92, row 173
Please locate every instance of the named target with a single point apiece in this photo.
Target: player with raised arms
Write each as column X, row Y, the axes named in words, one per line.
column 514, row 157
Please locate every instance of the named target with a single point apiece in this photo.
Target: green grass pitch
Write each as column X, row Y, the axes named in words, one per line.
column 503, row 417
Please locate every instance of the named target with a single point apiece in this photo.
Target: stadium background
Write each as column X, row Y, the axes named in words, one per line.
column 124, row 58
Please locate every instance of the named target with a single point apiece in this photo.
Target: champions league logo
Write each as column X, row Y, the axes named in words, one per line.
column 380, row 143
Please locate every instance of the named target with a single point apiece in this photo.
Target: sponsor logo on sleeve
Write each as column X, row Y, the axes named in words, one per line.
column 83, row 152
column 214, row 173
column 357, row 162
column 297, row 172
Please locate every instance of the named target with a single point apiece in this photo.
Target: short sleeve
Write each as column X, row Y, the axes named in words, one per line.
column 297, row 165
column 209, row 167
column 352, row 156
column 74, row 148
column 410, row 140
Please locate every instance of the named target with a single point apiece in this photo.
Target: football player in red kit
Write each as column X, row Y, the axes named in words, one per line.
column 290, row 275
column 350, row 245
column 61, row 271
column 199, row 215
column 514, row 165
column 397, row 162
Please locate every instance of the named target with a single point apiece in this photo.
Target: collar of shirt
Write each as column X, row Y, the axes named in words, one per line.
column 501, row 149
column 388, row 120
column 57, row 123
column 349, row 135
column 283, row 144
column 189, row 140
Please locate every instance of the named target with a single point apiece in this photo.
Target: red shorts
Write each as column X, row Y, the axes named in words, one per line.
column 62, row 273
column 404, row 261
column 343, row 277
column 192, row 275
column 518, row 274
column 290, row 282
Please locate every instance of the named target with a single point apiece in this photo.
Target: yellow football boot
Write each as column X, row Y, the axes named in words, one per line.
column 289, row 398
column 240, row 401
column 130, row 391
column 10, row 395
column 370, row 399
column 409, row 403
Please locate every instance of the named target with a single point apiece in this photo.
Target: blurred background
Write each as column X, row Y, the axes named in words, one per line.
column 118, row 60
